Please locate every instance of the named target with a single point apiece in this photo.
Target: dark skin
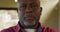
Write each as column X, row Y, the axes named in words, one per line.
column 29, row 12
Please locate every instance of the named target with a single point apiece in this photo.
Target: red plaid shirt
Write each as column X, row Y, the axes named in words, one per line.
column 40, row 29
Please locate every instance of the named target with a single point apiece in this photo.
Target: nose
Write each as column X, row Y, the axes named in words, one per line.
column 29, row 9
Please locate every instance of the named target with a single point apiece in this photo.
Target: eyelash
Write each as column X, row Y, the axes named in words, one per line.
column 32, row 6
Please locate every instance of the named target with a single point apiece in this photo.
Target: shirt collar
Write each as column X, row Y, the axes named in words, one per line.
column 18, row 27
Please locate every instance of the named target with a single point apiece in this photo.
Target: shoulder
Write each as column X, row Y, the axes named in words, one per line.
column 10, row 29
column 49, row 29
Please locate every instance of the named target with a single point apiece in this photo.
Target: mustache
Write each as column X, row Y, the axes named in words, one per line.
column 29, row 15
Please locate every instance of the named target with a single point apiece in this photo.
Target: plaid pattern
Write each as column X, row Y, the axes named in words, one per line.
column 39, row 29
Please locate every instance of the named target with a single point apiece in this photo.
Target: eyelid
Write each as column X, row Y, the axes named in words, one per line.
column 22, row 6
column 34, row 4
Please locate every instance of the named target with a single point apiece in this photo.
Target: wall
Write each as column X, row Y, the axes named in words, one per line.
column 8, row 4
column 59, row 16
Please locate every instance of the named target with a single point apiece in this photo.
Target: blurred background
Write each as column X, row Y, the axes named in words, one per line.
column 50, row 14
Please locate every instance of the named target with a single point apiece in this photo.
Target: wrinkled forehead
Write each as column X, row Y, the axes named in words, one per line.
column 28, row 1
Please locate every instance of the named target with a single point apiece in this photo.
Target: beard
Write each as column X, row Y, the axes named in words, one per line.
column 29, row 25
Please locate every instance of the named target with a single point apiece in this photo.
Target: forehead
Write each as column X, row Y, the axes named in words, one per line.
column 28, row 1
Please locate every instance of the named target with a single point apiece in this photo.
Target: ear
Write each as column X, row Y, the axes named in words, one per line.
column 17, row 10
column 40, row 9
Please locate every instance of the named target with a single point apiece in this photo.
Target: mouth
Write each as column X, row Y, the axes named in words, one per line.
column 29, row 19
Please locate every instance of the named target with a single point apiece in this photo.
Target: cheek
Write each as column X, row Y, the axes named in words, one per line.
column 22, row 15
column 37, row 13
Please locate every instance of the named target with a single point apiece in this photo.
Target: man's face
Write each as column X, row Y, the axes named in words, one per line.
column 29, row 12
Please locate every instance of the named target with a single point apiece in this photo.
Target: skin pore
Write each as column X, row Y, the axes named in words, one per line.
column 29, row 12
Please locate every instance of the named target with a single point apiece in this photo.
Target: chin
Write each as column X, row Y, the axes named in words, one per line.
column 29, row 23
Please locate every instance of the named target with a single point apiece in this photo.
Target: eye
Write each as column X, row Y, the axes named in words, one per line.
column 34, row 5
column 23, row 6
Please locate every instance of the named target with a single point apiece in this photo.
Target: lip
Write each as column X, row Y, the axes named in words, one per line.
column 29, row 17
